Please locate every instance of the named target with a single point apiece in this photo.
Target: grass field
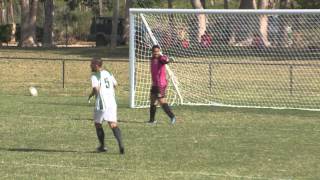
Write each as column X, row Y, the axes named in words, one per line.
column 52, row 136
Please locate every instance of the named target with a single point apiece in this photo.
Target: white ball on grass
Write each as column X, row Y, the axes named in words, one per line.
column 33, row 91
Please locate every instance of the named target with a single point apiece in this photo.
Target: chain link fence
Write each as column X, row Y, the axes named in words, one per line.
column 55, row 76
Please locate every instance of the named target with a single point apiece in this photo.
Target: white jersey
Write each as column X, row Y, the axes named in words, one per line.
column 105, row 82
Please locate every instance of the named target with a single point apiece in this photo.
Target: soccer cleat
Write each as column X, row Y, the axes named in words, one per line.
column 121, row 150
column 102, row 149
column 173, row 120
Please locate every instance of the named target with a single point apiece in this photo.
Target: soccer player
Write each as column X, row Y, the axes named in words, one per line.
column 159, row 85
column 103, row 84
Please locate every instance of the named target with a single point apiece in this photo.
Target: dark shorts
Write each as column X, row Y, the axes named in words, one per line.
column 159, row 92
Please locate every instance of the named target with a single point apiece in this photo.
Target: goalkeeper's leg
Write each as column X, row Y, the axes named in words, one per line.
column 163, row 102
column 167, row 109
column 153, row 106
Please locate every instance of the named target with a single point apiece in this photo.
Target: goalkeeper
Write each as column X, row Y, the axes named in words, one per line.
column 159, row 85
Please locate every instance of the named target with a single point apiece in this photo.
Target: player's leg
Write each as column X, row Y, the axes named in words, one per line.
column 153, row 105
column 117, row 134
column 111, row 116
column 99, row 130
column 100, row 135
column 163, row 102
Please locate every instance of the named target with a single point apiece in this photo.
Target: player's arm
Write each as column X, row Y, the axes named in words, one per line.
column 95, row 87
column 114, row 81
column 164, row 59
column 94, row 92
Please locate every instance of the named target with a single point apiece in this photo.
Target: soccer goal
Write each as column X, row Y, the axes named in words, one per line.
column 237, row 58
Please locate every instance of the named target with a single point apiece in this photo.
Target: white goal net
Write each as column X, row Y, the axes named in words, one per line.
column 240, row 58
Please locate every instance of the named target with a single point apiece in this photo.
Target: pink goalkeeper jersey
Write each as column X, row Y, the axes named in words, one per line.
column 158, row 71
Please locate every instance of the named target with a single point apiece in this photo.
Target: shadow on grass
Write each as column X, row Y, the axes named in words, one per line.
column 53, row 151
column 37, row 150
column 75, row 104
column 131, row 122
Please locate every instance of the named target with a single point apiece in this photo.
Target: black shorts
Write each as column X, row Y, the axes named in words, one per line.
column 159, row 92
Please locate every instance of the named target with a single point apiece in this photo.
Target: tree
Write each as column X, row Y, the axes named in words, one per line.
column 197, row 4
column 170, row 5
column 33, row 18
column 48, row 23
column 24, row 22
column 126, row 22
column 100, row 8
column 1, row 10
column 308, row 4
column 28, row 22
column 115, row 20
column 257, row 38
column 72, row 4
column 248, row 4
column 225, row 4
column 284, row 4
column 263, row 4
column 10, row 19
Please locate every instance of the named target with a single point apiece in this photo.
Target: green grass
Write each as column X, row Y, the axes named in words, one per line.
column 52, row 136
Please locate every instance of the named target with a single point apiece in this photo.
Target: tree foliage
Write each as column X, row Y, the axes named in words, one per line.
column 72, row 4
column 308, row 4
column 148, row 3
column 5, row 33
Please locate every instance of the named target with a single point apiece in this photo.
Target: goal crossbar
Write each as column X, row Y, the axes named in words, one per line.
column 226, row 11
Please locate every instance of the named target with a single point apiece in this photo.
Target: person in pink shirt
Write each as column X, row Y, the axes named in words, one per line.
column 159, row 85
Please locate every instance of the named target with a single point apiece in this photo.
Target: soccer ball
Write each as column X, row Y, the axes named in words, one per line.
column 33, row 91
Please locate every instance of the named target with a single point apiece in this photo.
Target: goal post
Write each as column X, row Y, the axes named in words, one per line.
column 237, row 58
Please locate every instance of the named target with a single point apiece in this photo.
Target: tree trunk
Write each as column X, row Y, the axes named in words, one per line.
column 170, row 5
column 100, row 8
column 226, row 4
column 10, row 20
column 197, row 4
column 203, row 3
column 48, row 23
column 33, row 20
column 28, row 22
column 10, row 17
column 173, row 32
column 212, row 2
column 1, row 12
column 242, row 29
column 263, row 4
column 115, row 21
column 284, row 4
column 24, row 22
column 248, row 4
column 284, row 38
column 126, row 22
